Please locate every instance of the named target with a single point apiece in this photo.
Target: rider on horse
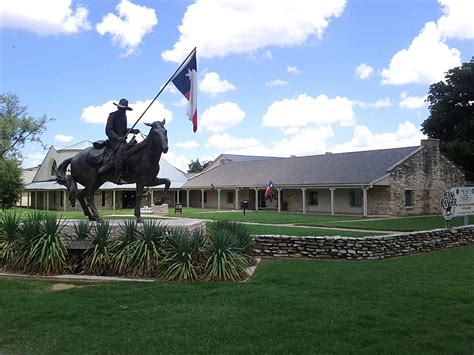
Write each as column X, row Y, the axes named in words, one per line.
column 116, row 129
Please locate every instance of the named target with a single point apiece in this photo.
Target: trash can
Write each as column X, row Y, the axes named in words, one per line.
column 244, row 205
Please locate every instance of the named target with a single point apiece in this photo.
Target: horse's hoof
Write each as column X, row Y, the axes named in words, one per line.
column 139, row 220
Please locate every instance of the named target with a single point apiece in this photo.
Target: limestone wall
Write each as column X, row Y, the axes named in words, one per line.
column 378, row 247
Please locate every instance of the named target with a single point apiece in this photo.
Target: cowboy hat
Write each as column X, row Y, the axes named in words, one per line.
column 123, row 103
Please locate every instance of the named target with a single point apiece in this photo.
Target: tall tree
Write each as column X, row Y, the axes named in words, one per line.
column 10, row 182
column 197, row 167
column 451, row 119
column 17, row 127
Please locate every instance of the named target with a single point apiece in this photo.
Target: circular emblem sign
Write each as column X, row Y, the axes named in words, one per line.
column 448, row 205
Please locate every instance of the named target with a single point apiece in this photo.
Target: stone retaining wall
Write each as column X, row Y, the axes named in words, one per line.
column 377, row 247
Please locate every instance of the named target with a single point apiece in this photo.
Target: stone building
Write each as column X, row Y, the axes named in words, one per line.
column 399, row 181
column 43, row 192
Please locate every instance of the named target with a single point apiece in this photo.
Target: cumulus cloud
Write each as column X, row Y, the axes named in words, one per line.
column 187, row 144
column 407, row 134
column 222, row 116
column 62, row 138
column 129, row 27
column 412, row 102
column 305, row 110
column 245, row 26
column 213, row 85
column 226, row 142
column 457, row 20
column 425, row 61
column 363, row 71
column 99, row 114
column 293, row 70
column 45, row 17
column 376, row 104
column 179, row 161
column 276, row 83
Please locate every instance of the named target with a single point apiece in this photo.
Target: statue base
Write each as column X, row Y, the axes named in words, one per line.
column 155, row 210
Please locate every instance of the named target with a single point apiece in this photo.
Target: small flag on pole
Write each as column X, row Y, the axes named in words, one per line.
column 211, row 192
column 269, row 190
column 186, row 82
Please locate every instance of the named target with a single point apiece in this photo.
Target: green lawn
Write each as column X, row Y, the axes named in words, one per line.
column 416, row 304
column 296, row 231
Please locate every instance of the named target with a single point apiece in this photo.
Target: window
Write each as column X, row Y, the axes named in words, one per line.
column 103, row 198
column 355, row 198
column 313, row 198
column 53, row 168
column 205, row 196
column 61, row 196
column 409, row 197
column 54, row 198
column 230, row 197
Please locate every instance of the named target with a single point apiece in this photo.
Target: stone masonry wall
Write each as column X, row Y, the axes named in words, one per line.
column 377, row 247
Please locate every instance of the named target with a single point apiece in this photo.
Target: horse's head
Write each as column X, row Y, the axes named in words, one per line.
column 159, row 134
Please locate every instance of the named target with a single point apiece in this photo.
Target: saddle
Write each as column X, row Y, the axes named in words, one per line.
column 101, row 152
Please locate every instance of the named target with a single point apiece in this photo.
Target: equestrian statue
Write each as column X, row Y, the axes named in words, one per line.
column 116, row 161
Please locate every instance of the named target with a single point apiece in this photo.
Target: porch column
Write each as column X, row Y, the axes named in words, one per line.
column 202, row 198
column 113, row 199
column 36, row 200
column 364, row 201
column 218, row 199
column 237, row 199
column 151, row 198
column 332, row 199
column 28, row 199
column 47, row 200
column 64, row 200
column 279, row 200
column 304, row 200
column 177, row 196
column 187, row 198
column 256, row 199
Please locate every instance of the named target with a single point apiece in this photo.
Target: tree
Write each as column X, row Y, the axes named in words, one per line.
column 197, row 167
column 17, row 127
column 451, row 119
column 10, row 182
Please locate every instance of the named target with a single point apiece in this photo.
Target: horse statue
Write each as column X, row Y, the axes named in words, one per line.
column 142, row 167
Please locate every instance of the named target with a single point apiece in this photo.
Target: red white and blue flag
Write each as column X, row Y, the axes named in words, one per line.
column 269, row 190
column 186, row 82
column 211, row 192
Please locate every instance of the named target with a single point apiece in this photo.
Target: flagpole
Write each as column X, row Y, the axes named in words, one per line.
column 161, row 90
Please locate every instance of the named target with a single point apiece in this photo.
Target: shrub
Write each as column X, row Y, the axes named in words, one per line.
column 82, row 230
column 123, row 246
column 97, row 259
column 9, row 239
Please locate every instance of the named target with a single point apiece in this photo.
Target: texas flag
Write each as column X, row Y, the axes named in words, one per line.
column 269, row 190
column 186, row 82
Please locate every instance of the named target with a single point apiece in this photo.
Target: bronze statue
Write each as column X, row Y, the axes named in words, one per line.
column 92, row 167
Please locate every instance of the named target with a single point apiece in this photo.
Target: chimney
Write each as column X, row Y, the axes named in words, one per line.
column 430, row 143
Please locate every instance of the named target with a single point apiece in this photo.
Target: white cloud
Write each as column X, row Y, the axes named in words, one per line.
column 45, row 17
column 267, row 55
column 213, row 85
column 376, row 104
column 425, row 61
column 276, row 83
column 128, row 28
column 222, row 116
column 293, row 70
column 181, row 103
column 246, row 25
column 33, row 159
column 406, row 135
column 178, row 161
column 226, row 142
column 63, row 138
column 187, row 144
column 364, row 71
column 99, row 114
column 305, row 110
column 457, row 20
column 412, row 102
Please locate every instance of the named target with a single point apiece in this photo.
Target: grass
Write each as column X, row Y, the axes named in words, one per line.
column 404, row 224
column 299, row 231
column 416, row 304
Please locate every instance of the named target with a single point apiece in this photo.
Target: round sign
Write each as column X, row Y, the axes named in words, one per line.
column 448, row 205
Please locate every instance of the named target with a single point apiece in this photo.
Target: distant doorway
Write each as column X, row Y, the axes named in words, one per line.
column 128, row 199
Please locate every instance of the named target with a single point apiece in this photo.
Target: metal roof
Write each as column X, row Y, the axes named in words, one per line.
column 338, row 169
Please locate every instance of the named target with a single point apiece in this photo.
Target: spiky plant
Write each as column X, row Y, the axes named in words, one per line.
column 122, row 247
column 146, row 250
column 182, row 255
column 10, row 239
column 47, row 253
column 224, row 261
column 97, row 258
column 31, row 231
column 82, row 230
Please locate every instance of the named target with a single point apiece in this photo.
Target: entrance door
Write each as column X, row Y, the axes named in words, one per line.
column 128, row 199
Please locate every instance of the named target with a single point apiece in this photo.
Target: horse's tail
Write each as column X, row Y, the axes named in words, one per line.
column 67, row 180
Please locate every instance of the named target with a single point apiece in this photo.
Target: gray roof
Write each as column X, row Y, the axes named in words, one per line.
column 78, row 146
column 339, row 169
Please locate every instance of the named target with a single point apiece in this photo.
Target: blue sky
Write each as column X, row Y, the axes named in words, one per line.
column 275, row 77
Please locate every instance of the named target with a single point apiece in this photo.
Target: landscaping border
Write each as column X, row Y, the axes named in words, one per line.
column 376, row 247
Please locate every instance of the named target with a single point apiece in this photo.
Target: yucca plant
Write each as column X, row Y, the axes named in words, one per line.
column 97, row 259
column 82, row 230
column 47, row 253
column 224, row 261
column 31, row 230
column 10, row 239
column 182, row 255
column 146, row 251
column 122, row 247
